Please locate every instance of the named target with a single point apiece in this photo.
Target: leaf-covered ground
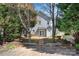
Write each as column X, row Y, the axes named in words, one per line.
column 47, row 50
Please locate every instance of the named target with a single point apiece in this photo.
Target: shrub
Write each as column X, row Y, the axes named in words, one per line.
column 66, row 42
column 77, row 46
column 1, row 37
column 11, row 37
column 76, row 35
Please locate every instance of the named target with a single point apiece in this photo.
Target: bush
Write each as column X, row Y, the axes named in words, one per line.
column 67, row 33
column 66, row 42
column 77, row 46
column 76, row 35
column 11, row 37
column 1, row 37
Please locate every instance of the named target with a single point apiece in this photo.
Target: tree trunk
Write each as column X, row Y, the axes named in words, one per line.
column 29, row 26
column 53, row 21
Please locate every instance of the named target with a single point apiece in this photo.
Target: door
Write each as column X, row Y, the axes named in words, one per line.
column 42, row 33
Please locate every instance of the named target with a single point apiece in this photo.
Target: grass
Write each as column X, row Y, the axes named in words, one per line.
column 7, row 47
column 10, row 46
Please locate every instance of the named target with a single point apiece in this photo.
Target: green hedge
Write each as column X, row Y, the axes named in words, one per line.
column 77, row 46
column 11, row 37
column 1, row 37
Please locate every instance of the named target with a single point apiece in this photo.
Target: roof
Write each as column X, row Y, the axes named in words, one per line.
column 43, row 15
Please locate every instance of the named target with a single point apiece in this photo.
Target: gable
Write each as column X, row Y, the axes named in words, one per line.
column 41, row 21
column 44, row 16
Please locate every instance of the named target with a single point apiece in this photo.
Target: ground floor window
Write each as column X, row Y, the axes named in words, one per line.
column 41, row 32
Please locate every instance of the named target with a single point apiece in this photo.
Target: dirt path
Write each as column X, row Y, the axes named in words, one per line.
column 22, row 51
column 33, row 51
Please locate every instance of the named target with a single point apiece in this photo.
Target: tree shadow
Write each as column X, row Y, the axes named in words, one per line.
column 51, row 48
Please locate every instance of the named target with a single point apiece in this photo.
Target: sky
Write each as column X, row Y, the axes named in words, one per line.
column 39, row 7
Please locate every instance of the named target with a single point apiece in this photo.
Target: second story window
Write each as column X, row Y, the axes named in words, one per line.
column 39, row 22
column 48, row 23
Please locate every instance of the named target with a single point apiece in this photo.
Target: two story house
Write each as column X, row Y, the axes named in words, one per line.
column 43, row 26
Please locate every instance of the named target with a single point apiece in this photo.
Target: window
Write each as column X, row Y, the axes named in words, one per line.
column 48, row 23
column 33, row 30
column 39, row 22
column 42, row 33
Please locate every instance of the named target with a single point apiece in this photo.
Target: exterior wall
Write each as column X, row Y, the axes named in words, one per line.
column 42, row 25
column 49, row 30
column 49, row 33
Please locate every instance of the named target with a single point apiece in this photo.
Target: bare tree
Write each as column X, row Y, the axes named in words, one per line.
column 26, row 16
column 50, row 9
column 53, row 20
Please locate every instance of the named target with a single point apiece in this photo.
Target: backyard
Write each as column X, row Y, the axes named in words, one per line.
column 49, row 49
column 50, row 30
